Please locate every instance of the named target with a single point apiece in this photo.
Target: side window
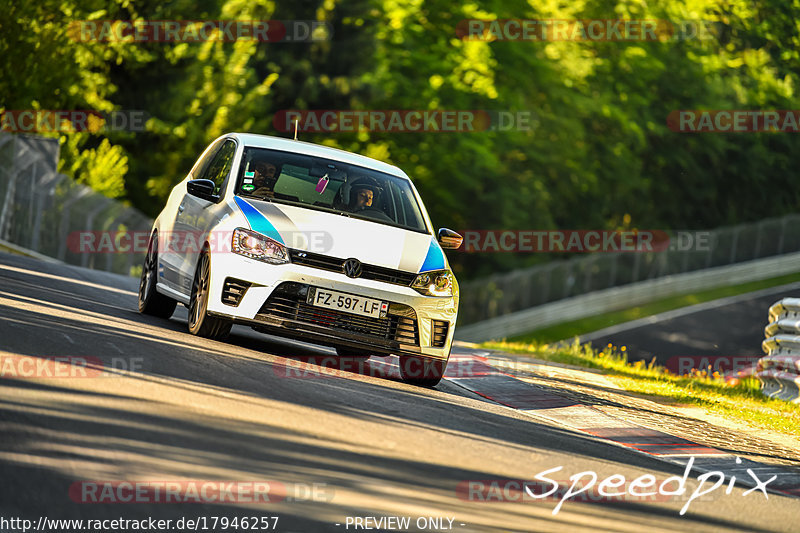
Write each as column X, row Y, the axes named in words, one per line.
column 406, row 212
column 220, row 166
column 202, row 164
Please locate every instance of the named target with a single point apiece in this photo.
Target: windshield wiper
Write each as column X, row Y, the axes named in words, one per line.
column 266, row 198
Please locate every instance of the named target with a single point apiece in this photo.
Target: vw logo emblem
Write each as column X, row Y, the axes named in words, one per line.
column 352, row 268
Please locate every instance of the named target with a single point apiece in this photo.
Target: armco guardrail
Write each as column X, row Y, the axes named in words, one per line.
column 624, row 297
column 40, row 208
column 779, row 370
column 502, row 294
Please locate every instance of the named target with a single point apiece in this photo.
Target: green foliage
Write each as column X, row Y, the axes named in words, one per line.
column 102, row 168
column 599, row 154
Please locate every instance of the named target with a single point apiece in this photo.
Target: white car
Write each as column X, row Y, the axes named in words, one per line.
column 310, row 242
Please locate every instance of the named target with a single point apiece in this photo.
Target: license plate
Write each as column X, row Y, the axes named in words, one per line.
column 339, row 301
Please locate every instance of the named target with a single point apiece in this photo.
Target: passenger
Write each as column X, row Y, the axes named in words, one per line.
column 264, row 179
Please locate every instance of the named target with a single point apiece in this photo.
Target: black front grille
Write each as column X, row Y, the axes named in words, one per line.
column 439, row 333
column 233, row 291
column 288, row 302
column 388, row 275
column 312, row 260
column 334, row 264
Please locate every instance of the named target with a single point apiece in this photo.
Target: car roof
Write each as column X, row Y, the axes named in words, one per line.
column 316, row 150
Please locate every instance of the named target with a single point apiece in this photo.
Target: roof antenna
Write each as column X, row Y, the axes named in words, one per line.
column 295, row 129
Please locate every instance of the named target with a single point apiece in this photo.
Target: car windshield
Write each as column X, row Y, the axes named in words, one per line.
column 329, row 185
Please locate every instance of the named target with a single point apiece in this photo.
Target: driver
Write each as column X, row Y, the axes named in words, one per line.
column 363, row 198
column 363, row 194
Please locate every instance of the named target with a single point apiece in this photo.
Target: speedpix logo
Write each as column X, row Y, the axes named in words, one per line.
column 587, row 486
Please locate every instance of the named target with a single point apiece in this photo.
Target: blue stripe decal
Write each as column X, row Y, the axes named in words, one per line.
column 257, row 221
column 435, row 258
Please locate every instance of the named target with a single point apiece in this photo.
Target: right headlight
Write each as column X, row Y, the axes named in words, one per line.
column 257, row 246
column 434, row 283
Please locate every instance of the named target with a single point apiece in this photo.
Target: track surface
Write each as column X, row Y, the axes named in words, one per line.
column 732, row 330
column 191, row 409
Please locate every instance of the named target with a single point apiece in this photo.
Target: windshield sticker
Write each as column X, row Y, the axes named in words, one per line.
column 248, row 180
column 249, row 174
column 248, row 187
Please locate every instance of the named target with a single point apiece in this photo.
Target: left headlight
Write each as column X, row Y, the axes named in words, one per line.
column 257, row 246
column 435, row 283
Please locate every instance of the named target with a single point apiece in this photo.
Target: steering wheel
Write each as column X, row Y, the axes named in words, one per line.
column 374, row 212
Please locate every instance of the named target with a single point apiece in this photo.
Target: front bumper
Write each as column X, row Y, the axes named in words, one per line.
column 274, row 302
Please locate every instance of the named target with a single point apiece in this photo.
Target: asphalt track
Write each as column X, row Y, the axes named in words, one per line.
column 706, row 331
column 164, row 406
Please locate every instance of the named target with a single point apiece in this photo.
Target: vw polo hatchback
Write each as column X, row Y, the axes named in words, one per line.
column 308, row 242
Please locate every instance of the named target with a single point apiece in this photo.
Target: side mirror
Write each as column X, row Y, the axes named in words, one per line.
column 202, row 189
column 449, row 239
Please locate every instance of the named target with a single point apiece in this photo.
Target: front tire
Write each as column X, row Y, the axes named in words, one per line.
column 200, row 323
column 422, row 371
column 152, row 302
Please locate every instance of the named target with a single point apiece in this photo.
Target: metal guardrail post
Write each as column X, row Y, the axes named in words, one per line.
column 780, row 237
column 757, row 245
column 64, row 226
column 612, row 274
column 734, row 243
column 569, row 280
column 104, row 201
column 112, row 227
column 32, row 194
column 637, row 263
column 547, row 284
column 51, row 185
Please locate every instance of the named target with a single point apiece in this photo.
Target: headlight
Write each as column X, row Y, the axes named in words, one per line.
column 256, row 246
column 436, row 283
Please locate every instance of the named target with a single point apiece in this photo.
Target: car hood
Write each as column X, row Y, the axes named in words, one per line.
column 343, row 237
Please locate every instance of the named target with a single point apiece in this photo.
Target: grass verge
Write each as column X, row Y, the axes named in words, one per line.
column 569, row 330
column 740, row 399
